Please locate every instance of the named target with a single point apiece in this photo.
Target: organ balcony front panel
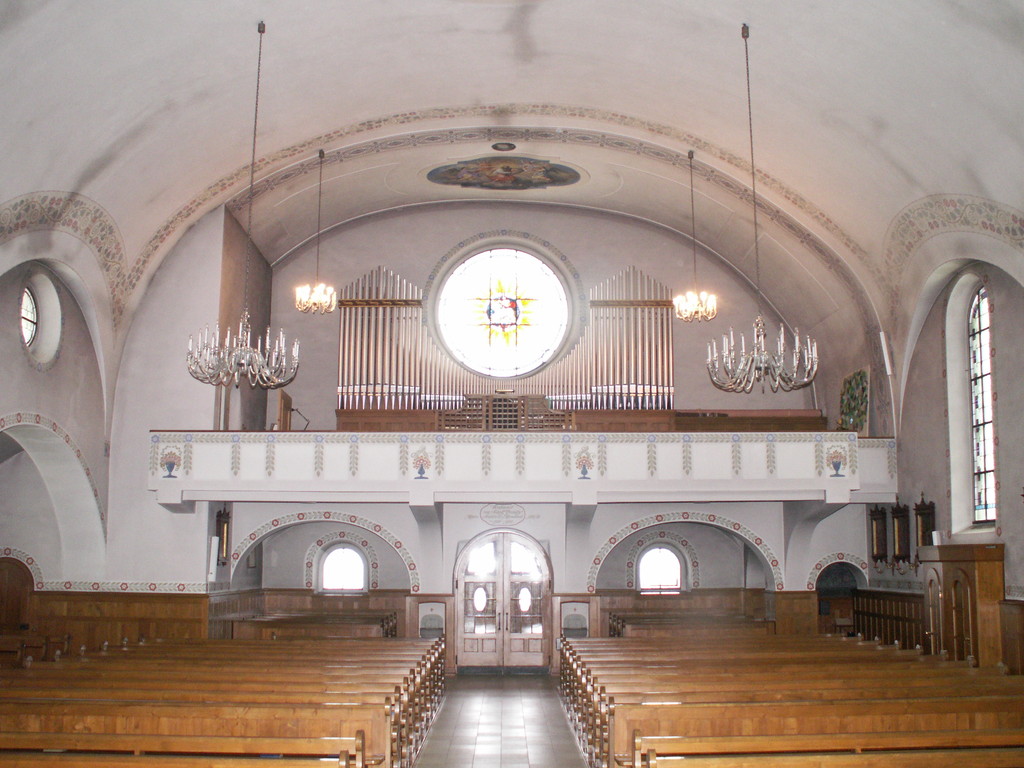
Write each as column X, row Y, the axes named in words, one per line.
column 836, row 467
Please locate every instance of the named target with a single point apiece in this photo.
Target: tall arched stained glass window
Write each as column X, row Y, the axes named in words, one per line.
column 982, row 424
column 503, row 312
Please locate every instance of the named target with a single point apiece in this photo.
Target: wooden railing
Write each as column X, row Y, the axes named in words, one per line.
column 891, row 617
column 483, row 413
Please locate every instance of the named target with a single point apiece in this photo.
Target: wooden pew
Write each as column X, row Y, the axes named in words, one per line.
column 669, row 625
column 741, row 694
column 960, row 748
column 230, row 696
column 350, row 624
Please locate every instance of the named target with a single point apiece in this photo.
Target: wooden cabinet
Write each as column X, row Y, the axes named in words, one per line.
column 963, row 590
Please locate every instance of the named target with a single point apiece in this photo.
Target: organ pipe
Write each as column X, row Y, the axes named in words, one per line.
column 388, row 357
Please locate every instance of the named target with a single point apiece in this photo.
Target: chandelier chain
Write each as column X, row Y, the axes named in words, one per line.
column 694, row 304
column 262, row 28
column 753, row 168
column 736, row 369
column 693, row 219
column 318, row 297
column 319, row 207
column 228, row 363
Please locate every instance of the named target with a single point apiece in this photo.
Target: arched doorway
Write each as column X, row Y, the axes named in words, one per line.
column 15, row 594
column 933, row 613
column 835, row 587
column 502, row 588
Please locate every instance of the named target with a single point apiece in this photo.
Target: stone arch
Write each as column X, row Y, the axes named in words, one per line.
column 692, row 563
column 708, row 518
column 326, row 542
column 80, row 513
column 356, row 521
column 76, row 215
column 300, row 159
column 935, row 215
column 942, row 215
column 835, row 557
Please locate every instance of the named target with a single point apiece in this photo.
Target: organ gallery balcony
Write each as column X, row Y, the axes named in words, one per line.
column 599, row 466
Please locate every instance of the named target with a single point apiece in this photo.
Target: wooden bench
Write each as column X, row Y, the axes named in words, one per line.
column 317, row 699
column 150, row 751
column 684, row 698
column 669, row 625
column 961, row 748
column 349, row 624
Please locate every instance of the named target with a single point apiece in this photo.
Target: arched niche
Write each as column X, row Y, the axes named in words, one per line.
column 67, row 481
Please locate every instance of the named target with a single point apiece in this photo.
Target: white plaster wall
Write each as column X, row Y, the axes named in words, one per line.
column 154, row 390
column 412, row 242
column 284, row 556
column 80, row 270
column 841, row 535
column 66, row 392
column 27, row 518
column 250, row 518
column 923, row 451
column 763, row 520
column 719, row 556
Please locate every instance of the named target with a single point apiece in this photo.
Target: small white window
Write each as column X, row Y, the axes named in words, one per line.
column 344, row 569
column 659, row 571
column 29, row 317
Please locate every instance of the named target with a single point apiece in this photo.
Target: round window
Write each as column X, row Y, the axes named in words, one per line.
column 42, row 320
column 503, row 313
column 29, row 317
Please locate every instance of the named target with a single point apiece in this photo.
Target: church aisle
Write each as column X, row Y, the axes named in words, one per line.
column 492, row 721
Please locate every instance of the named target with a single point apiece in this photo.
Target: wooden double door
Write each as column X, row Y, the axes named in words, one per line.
column 502, row 588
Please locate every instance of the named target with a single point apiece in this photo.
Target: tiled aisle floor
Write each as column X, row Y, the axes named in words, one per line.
column 490, row 721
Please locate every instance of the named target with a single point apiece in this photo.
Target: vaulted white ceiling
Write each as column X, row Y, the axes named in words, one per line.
column 144, row 108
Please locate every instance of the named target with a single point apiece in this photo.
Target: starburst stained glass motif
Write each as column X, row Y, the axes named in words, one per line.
column 503, row 312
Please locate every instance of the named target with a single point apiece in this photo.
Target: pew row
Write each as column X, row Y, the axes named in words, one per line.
column 700, row 696
column 233, row 697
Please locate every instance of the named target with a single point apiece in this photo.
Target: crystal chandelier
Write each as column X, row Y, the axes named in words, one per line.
column 736, row 370
column 227, row 363
column 693, row 305
column 317, row 297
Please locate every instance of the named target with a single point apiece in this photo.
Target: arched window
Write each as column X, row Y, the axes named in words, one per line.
column 659, row 571
column 982, row 424
column 343, row 569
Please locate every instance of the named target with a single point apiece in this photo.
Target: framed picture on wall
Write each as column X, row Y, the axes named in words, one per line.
column 853, row 402
column 900, row 532
column 223, row 522
column 879, row 548
column 924, row 512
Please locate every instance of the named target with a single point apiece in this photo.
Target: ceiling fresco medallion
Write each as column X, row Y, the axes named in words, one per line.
column 504, row 173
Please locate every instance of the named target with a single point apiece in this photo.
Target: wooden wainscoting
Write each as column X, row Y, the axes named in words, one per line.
column 92, row 618
column 704, row 602
column 1011, row 615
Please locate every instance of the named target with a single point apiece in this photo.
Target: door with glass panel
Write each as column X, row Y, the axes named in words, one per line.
column 502, row 584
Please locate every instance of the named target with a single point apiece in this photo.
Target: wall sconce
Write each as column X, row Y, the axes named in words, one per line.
column 900, row 562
